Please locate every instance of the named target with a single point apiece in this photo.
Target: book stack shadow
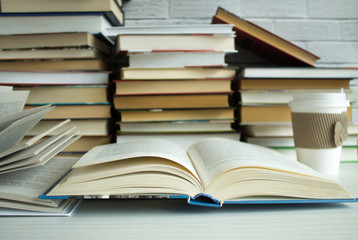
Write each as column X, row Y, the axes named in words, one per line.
column 65, row 63
column 272, row 69
column 174, row 79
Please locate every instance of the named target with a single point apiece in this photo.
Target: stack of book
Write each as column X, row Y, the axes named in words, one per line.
column 80, row 93
column 176, row 79
column 59, row 51
column 43, row 16
column 264, row 116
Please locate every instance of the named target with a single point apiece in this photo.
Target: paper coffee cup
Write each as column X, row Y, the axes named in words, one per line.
column 320, row 125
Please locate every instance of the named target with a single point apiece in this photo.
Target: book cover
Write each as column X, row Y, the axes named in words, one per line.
column 265, row 43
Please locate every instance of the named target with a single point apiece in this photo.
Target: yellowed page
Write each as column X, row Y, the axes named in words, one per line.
column 133, row 149
column 214, row 156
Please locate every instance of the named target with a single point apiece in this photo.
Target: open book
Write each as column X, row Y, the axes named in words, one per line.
column 222, row 169
column 17, row 153
column 19, row 190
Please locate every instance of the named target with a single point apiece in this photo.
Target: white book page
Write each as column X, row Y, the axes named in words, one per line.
column 30, row 183
column 30, row 142
column 141, row 148
column 6, row 89
column 12, row 101
column 214, row 156
column 12, row 134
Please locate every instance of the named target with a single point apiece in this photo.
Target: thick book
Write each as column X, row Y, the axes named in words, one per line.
column 269, row 113
column 212, row 172
column 172, row 101
column 53, row 77
column 177, row 59
column 49, row 54
column 53, row 22
column 292, row 83
column 54, row 41
column 264, row 43
column 78, row 111
column 176, row 73
column 148, row 115
column 282, row 96
column 110, row 8
column 217, row 29
column 170, row 43
column 86, row 64
column 203, row 126
column 165, row 87
column 298, row 73
column 65, row 94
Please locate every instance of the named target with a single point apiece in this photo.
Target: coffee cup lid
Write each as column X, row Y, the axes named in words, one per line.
column 320, row 99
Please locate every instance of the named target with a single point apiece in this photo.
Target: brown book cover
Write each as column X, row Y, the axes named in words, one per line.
column 264, row 43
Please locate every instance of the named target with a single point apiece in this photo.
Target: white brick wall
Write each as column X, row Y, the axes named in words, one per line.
column 328, row 28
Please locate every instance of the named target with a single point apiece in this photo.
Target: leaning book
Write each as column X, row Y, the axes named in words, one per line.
column 212, row 172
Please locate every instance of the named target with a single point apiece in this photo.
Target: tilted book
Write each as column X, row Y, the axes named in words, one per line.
column 265, row 43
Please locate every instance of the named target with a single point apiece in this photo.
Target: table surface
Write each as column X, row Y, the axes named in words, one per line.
column 174, row 219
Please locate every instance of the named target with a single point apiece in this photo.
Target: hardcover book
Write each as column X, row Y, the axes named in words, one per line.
column 264, row 43
column 110, row 8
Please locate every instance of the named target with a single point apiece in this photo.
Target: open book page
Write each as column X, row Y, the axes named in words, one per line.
column 154, row 147
column 33, row 140
column 215, row 156
column 27, row 185
column 6, row 89
column 13, row 128
column 12, row 101
column 41, row 153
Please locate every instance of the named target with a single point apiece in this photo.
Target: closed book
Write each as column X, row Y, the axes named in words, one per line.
column 283, row 96
column 66, row 94
column 264, row 43
column 217, row 29
column 55, row 65
column 154, row 59
column 268, row 113
column 55, row 40
column 53, row 77
column 39, row 54
column 173, row 101
column 291, row 83
column 298, row 73
column 177, row 115
column 56, row 22
column 176, row 73
column 110, row 8
column 178, row 42
column 79, row 111
column 175, row 127
column 145, row 87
